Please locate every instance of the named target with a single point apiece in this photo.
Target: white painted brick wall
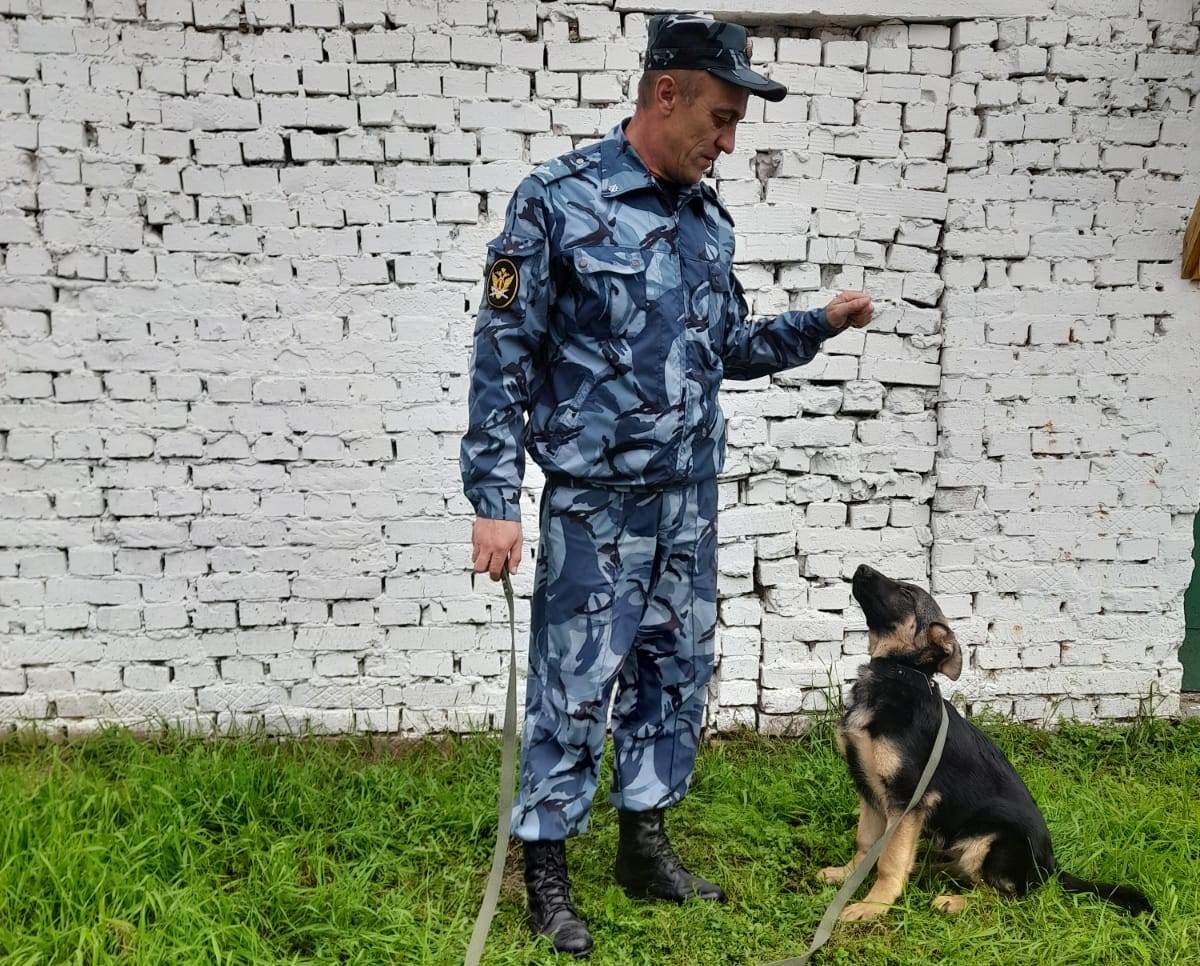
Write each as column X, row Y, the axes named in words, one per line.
column 241, row 248
column 1068, row 503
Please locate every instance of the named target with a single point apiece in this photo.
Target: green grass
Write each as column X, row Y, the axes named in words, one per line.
column 180, row 850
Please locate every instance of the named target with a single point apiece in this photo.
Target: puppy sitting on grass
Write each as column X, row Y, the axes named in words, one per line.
column 977, row 809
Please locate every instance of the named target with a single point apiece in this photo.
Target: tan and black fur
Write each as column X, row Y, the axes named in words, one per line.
column 977, row 810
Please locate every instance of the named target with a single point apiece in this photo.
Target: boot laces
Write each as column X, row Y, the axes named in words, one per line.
column 659, row 849
column 552, row 884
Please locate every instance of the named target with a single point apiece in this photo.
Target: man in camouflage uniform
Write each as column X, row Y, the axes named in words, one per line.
column 610, row 315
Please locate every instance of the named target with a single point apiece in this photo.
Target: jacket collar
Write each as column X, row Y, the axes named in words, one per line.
column 622, row 171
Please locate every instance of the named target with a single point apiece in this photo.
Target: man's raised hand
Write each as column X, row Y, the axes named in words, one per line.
column 849, row 309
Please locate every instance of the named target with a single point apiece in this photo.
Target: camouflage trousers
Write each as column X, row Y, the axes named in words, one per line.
column 625, row 594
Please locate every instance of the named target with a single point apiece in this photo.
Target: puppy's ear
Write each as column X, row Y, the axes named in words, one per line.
column 942, row 639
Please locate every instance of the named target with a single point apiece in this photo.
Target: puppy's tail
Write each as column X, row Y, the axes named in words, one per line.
column 1127, row 897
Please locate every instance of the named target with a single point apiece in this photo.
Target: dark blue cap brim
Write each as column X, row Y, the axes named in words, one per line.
column 753, row 82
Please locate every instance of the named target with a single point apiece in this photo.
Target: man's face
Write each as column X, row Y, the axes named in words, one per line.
column 698, row 133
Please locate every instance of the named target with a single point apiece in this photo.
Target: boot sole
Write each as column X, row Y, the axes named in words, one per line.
column 641, row 892
column 577, row 954
column 573, row 954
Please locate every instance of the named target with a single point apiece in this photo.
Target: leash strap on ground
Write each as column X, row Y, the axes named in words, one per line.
column 508, row 749
column 863, row 869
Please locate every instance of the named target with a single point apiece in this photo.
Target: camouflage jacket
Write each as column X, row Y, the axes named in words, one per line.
column 611, row 318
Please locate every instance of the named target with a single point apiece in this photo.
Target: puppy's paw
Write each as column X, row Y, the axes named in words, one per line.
column 863, row 911
column 950, row 905
column 834, row 875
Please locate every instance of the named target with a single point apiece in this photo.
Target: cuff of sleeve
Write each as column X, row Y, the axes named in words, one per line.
column 821, row 323
column 496, row 503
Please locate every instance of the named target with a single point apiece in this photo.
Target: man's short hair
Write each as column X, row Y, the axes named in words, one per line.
column 688, row 82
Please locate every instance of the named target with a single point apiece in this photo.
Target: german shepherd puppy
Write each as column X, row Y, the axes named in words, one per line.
column 976, row 809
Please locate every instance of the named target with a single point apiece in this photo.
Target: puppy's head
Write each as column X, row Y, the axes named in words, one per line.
column 906, row 624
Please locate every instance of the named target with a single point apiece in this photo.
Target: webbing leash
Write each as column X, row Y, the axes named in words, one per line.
column 508, row 749
column 863, row 869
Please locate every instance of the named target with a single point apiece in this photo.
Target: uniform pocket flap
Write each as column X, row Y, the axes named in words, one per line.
column 604, row 258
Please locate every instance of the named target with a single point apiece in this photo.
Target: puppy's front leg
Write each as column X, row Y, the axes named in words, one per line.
column 894, row 866
column 870, row 827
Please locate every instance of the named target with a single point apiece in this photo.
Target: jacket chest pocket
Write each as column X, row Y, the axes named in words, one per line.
column 610, row 290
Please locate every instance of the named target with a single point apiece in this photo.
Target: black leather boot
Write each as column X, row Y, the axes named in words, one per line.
column 549, row 894
column 647, row 866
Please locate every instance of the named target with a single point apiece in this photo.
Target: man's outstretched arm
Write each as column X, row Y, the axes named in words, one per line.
column 759, row 347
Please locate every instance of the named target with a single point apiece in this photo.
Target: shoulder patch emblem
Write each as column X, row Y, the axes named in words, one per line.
column 503, row 280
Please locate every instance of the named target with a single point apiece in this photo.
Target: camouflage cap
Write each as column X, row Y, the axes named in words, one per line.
column 681, row 41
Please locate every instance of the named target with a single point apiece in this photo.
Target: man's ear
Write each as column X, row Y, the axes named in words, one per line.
column 942, row 639
column 668, row 99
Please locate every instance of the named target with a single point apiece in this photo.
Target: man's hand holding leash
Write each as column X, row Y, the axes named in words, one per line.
column 494, row 543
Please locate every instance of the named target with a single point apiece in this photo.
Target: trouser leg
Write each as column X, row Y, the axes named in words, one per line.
column 663, row 681
column 593, row 568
